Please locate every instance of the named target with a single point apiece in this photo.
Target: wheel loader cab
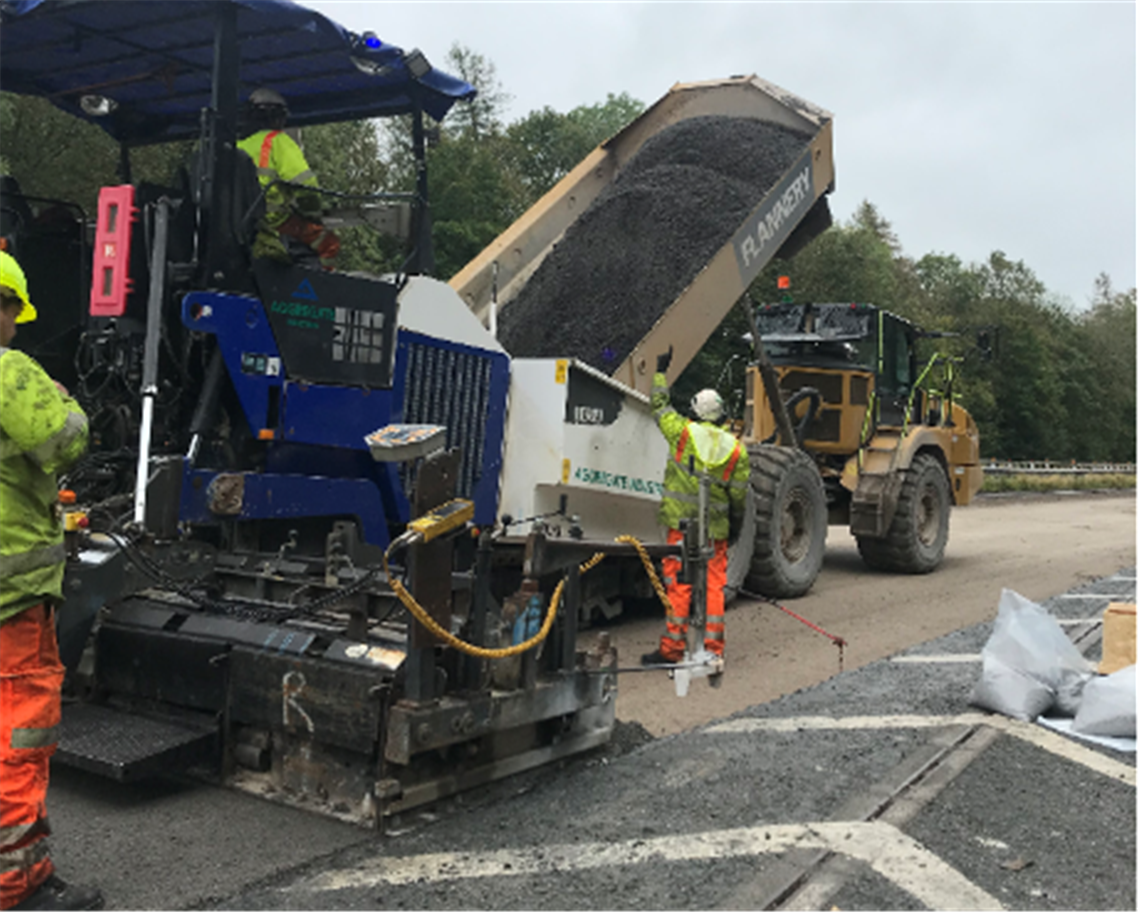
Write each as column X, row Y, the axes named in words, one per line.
column 855, row 356
column 892, row 448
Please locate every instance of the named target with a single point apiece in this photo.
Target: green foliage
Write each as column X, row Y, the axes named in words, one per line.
column 56, row 156
column 346, row 158
column 1062, row 385
column 994, row 484
column 548, row 145
column 482, row 116
column 473, row 198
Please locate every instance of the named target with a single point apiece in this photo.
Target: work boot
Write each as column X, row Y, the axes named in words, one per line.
column 656, row 658
column 54, row 893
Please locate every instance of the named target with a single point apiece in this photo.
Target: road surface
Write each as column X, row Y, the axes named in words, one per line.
column 1038, row 545
column 743, row 812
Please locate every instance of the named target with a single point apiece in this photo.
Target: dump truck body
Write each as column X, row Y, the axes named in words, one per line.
column 791, row 209
column 759, row 163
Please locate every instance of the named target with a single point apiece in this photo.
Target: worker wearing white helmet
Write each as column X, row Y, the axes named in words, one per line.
column 697, row 447
column 290, row 211
column 43, row 431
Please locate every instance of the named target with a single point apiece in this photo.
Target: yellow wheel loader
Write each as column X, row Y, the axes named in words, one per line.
column 845, row 425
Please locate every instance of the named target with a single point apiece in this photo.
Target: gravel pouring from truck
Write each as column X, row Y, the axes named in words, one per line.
column 770, row 153
column 646, row 244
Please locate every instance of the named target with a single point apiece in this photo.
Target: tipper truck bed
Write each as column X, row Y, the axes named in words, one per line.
column 654, row 236
column 646, row 244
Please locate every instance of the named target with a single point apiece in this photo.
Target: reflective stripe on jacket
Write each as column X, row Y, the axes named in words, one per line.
column 713, row 450
column 279, row 158
column 42, row 433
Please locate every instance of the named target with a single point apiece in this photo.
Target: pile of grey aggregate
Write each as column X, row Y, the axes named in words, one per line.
column 645, row 238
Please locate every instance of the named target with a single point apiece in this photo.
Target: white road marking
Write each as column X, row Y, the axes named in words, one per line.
column 1068, row 622
column 1034, row 734
column 889, row 851
column 947, row 658
column 830, row 723
column 1111, row 596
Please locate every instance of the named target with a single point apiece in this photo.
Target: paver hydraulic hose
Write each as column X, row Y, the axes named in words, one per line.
column 420, row 614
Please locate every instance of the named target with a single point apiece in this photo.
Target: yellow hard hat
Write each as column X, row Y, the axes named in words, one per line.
column 12, row 278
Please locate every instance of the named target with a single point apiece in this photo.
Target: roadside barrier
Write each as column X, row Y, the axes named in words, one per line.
column 1047, row 467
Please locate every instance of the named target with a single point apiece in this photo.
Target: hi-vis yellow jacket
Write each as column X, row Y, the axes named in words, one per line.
column 713, row 450
column 41, row 433
column 279, row 158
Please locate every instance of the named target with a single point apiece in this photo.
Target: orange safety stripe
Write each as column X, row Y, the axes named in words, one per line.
column 267, row 147
column 732, row 460
column 682, row 441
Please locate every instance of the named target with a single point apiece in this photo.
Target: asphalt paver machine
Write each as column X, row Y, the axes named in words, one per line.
column 287, row 565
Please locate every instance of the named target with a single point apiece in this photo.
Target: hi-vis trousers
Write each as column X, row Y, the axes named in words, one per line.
column 680, row 595
column 31, row 678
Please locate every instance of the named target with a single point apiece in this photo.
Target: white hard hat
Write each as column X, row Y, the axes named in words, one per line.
column 267, row 98
column 707, row 405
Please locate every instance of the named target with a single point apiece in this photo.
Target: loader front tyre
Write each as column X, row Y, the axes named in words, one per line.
column 916, row 540
column 790, row 514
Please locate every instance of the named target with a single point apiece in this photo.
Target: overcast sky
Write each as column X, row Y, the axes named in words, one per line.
column 971, row 126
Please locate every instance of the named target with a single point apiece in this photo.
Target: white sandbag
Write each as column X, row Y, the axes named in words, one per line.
column 1028, row 664
column 1108, row 706
column 1010, row 691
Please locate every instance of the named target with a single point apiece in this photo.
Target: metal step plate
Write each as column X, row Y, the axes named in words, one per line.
column 126, row 747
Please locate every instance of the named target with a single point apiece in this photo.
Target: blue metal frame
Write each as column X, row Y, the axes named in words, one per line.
column 273, row 496
column 317, row 461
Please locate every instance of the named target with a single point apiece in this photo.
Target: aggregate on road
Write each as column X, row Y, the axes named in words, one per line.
column 1038, row 545
column 729, row 815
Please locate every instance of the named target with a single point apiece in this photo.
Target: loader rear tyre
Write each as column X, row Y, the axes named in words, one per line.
column 790, row 515
column 916, row 540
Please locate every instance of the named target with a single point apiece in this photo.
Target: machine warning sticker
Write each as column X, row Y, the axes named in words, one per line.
column 618, row 482
column 260, row 365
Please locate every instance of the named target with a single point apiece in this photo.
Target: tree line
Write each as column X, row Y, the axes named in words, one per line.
column 1061, row 384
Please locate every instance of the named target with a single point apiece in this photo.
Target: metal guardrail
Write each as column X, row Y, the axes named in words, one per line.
column 1046, row 467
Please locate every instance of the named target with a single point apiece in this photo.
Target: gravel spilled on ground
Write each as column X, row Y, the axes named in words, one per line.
column 645, row 238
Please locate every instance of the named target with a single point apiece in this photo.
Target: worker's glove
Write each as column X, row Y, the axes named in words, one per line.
column 664, row 360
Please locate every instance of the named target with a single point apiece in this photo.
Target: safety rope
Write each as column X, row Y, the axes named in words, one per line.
column 420, row 613
column 837, row 640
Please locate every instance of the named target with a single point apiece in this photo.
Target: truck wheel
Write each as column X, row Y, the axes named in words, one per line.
column 791, row 521
column 916, row 541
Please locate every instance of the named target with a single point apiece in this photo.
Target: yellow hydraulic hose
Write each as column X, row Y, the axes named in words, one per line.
column 648, row 564
column 482, row 652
